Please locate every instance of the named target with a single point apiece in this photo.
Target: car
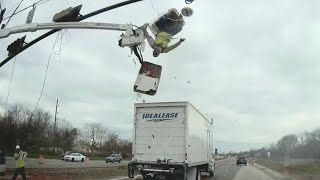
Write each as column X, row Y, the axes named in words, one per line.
column 114, row 158
column 66, row 153
column 241, row 160
column 75, row 157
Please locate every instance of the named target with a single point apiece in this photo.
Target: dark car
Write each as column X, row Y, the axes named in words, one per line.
column 67, row 153
column 114, row 158
column 241, row 160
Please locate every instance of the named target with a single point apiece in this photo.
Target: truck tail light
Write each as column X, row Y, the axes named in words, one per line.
column 186, row 157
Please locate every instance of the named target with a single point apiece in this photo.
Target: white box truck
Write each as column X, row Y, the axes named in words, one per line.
column 171, row 140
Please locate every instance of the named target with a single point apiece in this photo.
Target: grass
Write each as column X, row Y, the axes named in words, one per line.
column 273, row 165
column 308, row 168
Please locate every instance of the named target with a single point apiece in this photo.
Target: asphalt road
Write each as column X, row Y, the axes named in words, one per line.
column 56, row 164
column 227, row 170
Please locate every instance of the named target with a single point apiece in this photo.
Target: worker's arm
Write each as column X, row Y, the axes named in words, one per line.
column 16, row 156
column 172, row 47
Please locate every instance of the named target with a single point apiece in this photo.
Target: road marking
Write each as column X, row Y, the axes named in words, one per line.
column 120, row 178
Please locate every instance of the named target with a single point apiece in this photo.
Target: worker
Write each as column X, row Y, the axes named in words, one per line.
column 168, row 25
column 20, row 156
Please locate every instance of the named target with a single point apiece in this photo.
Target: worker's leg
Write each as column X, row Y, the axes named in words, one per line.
column 23, row 173
column 16, row 173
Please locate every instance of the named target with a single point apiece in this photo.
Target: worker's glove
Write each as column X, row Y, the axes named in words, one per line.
column 182, row 39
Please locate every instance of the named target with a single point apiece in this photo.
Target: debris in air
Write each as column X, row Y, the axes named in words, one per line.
column 189, row 1
column 148, row 78
column 187, row 11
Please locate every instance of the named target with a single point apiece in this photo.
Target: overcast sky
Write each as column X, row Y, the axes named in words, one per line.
column 253, row 65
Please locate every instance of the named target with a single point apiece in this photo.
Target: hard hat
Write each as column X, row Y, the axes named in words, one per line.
column 17, row 147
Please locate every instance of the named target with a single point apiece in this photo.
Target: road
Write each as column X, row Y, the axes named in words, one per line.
column 225, row 169
column 56, row 164
column 228, row 170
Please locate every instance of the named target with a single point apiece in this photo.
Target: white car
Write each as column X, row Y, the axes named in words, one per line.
column 75, row 157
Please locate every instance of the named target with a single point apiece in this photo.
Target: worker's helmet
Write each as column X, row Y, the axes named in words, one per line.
column 17, row 147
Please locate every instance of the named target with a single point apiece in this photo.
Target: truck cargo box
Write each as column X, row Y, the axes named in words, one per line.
column 174, row 132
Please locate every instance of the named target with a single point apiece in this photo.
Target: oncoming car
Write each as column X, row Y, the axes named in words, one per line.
column 75, row 157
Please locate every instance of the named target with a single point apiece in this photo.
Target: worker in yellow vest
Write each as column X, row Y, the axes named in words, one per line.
column 20, row 156
column 168, row 25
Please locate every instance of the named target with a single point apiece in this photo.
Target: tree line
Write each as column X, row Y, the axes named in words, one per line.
column 304, row 145
column 36, row 132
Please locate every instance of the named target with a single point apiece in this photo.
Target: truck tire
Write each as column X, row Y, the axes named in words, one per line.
column 198, row 175
column 130, row 171
column 211, row 174
column 72, row 159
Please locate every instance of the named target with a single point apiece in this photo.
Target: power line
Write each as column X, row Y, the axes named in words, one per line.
column 13, row 13
column 14, row 64
column 153, row 7
column 34, row 4
column 12, row 8
column 46, row 73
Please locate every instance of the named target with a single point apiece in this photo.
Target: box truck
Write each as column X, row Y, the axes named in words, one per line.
column 171, row 140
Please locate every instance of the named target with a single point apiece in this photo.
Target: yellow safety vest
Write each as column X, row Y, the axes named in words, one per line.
column 163, row 39
column 20, row 161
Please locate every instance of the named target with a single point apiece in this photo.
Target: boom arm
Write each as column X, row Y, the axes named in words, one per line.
column 132, row 37
column 32, row 27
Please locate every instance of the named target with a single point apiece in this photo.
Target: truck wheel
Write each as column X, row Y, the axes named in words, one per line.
column 130, row 171
column 211, row 174
column 72, row 160
column 198, row 174
column 82, row 160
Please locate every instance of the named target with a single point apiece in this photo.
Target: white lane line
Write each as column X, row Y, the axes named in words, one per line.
column 120, row 178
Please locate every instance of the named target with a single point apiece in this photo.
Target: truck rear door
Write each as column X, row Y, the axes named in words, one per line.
column 160, row 133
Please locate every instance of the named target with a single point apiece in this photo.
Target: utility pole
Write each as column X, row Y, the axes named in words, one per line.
column 55, row 122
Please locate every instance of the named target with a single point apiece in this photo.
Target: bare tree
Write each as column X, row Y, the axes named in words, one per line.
column 93, row 135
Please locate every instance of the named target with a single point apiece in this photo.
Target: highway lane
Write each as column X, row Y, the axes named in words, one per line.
column 57, row 164
column 227, row 170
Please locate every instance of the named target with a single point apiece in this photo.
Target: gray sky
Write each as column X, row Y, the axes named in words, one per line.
column 253, row 67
